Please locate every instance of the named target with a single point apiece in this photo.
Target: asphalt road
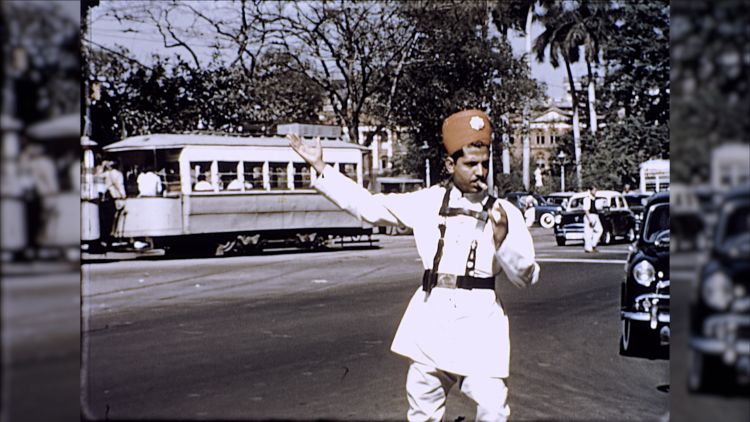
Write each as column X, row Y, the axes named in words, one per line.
column 307, row 335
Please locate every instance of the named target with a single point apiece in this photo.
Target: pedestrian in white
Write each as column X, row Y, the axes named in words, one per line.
column 455, row 330
column 592, row 227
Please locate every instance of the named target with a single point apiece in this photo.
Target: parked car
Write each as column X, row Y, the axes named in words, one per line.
column 617, row 220
column 559, row 198
column 636, row 202
column 688, row 221
column 544, row 212
column 644, row 293
column 720, row 307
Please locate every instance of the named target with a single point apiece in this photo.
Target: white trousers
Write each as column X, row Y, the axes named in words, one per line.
column 427, row 389
column 591, row 235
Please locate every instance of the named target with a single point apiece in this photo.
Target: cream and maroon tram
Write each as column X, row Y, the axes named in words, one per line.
column 227, row 194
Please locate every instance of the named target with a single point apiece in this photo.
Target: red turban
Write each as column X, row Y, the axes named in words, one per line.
column 466, row 127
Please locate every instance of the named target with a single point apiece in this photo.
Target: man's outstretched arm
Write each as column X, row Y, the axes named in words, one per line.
column 391, row 209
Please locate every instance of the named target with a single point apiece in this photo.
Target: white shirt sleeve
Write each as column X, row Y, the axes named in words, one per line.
column 377, row 209
column 516, row 254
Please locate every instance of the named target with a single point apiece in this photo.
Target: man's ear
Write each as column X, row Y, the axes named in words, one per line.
column 449, row 165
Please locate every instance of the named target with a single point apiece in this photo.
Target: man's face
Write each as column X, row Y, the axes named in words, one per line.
column 470, row 171
column 593, row 191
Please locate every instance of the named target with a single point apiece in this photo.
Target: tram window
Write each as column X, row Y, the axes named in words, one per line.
column 253, row 175
column 301, row 176
column 170, row 174
column 277, row 172
column 228, row 174
column 349, row 170
column 203, row 169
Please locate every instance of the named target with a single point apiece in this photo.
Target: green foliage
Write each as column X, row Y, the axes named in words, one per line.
column 40, row 60
column 710, row 39
column 174, row 97
column 637, row 60
column 612, row 158
column 456, row 65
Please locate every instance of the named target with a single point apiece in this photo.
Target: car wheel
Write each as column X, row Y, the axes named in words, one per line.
column 560, row 241
column 703, row 372
column 632, row 338
column 631, row 235
column 547, row 220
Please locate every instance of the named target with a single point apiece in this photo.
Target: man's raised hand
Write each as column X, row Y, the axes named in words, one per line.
column 312, row 154
column 499, row 220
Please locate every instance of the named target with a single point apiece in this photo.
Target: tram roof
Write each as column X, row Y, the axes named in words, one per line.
column 172, row 141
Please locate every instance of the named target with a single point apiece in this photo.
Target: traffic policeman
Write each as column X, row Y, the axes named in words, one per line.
column 454, row 330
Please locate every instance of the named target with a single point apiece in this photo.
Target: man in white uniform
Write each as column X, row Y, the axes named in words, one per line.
column 454, row 330
column 592, row 227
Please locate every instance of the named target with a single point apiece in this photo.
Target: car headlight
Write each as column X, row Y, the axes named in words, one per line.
column 717, row 291
column 558, row 219
column 643, row 273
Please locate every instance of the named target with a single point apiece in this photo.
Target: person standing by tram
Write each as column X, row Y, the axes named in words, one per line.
column 454, row 330
column 112, row 202
column 39, row 182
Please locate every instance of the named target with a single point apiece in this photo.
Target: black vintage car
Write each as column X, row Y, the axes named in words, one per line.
column 617, row 220
column 644, row 293
column 720, row 308
column 544, row 212
column 636, row 202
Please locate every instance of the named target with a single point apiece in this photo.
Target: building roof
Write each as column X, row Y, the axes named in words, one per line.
column 67, row 126
column 176, row 141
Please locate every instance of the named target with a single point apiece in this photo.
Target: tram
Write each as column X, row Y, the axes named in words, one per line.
column 224, row 195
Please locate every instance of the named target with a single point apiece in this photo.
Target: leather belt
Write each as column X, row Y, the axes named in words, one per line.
column 452, row 281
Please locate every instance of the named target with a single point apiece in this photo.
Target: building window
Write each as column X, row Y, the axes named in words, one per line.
column 553, row 139
column 539, row 139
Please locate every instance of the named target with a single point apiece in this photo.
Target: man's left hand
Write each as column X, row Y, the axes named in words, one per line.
column 499, row 224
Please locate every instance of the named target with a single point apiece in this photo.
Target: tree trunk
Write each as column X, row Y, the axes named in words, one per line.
column 576, row 125
column 592, row 100
column 506, row 143
column 526, row 128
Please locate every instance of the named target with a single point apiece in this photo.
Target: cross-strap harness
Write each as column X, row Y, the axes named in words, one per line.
column 431, row 278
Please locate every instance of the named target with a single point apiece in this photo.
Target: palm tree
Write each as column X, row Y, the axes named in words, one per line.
column 517, row 15
column 565, row 30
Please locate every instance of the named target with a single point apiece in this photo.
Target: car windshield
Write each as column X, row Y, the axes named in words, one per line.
column 577, row 202
column 635, row 200
column 657, row 222
column 738, row 222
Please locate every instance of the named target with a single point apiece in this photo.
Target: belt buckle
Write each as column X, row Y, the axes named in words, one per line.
column 447, row 281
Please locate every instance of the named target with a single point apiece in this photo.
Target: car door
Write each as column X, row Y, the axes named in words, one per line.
column 619, row 216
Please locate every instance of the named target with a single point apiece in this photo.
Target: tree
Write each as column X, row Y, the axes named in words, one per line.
column 41, row 64
column 353, row 51
column 174, row 97
column 567, row 27
column 710, row 103
column 455, row 65
column 517, row 15
column 634, row 98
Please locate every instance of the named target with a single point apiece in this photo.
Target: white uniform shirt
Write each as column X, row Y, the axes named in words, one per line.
column 457, row 330
column 149, row 184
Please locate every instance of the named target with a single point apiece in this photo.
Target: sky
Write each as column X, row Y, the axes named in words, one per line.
column 109, row 32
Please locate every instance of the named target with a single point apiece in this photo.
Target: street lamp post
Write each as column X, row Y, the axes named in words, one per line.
column 425, row 147
column 561, row 156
